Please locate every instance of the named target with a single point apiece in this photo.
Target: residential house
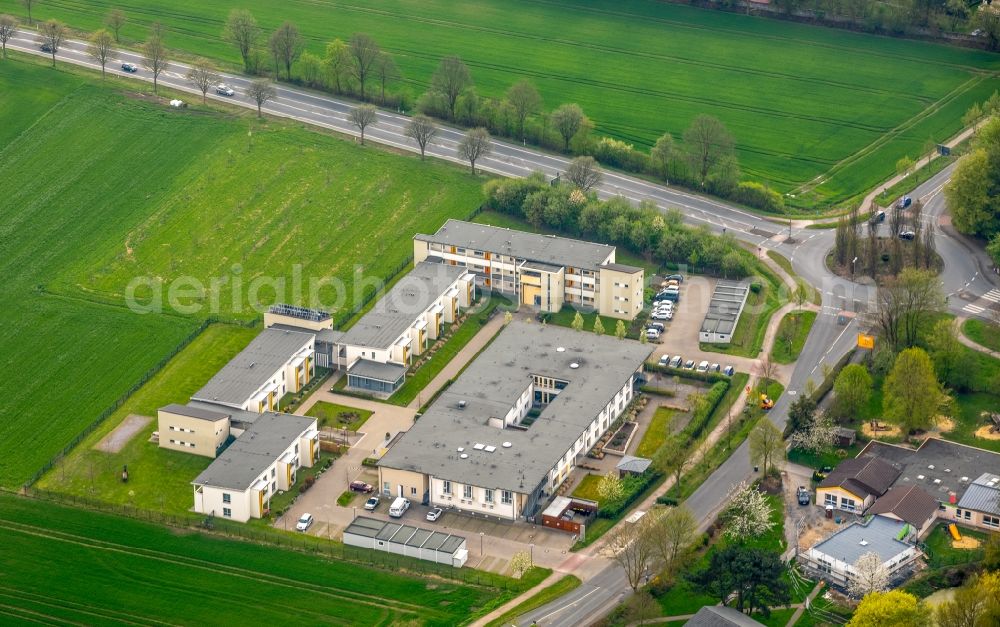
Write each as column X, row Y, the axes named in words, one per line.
column 854, row 484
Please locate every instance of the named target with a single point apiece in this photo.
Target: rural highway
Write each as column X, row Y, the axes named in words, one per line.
column 969, row 283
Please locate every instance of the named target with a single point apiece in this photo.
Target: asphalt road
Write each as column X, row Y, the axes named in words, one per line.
column 970, row 285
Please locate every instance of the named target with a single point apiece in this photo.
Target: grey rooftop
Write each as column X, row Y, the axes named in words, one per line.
column 596, row 367
column 983, row 495
column 940, row 467
column 720, row 616
column 547, row 249
column 393, row 314
column 254, row 451
column 201, row 413
column 253, row 367
column 878, row 535
column 370, row 369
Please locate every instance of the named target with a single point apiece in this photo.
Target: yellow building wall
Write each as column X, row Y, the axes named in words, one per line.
column 406, row 478
column 201, row 433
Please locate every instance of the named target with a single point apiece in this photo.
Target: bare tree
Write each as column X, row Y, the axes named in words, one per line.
column 870, row 575
column 364, row 52
column 8, row 28
column 242, row 31
column 260, row 91
column 421, row 129
column 525, row 100
column 765, row 444
column 115, row 20
column 154, row 57
column 474, row 145
column 386, row 71
column 767, row 370
column 708, row 145
column 364, row 116
column 568, row 119
column 871, row 251
column 451, row 78
column 100, row 47
column 903, row 303
column 52, row 33
column 929, row 245
column 286, row 45
column 632, row 547
column 203, row 75
column 584, row 173
column 27, row 5
column 917, row 226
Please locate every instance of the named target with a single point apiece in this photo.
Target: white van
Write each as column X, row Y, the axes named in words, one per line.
column 399, row 507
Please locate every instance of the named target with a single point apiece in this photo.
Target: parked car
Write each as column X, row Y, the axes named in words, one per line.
column 45, row 48
column 675, row 277
column 372, row 503
column 689, row 364
column 361, row 486
column 399, row 507
column 729, row 371
column 224, row 90
column 676, row 361
column 652, row 334
column 660, row 315
column 668, row 295
column 802, row 495
column 131, row 68
column 664, row 360
column 907, row 235
column 703, row 366
column 714, row 368
column 304, row 523
column 656, row 325
column 878, row 216
column 434, row 514
column 904, row 202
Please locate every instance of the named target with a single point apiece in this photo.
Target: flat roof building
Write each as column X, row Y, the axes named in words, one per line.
column 472, row 450
column 543, row 271
column 724, row 311
column 391, row 537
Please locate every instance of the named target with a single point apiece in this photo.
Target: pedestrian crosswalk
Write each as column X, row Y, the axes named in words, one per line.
column 991, row 297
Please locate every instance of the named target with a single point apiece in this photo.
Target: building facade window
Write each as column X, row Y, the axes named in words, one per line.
column 830, row 499
column 446, row 487
column 968, row 515
column 413, row 491
column 227, row 513
column 386, row 488
column 506, row 497
column 227, row 498
column 991, row 521
column 848, row 504
column 467, row 491
column 489, row 495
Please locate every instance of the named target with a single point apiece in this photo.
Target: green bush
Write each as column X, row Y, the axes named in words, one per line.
column 702, row 415
column 760, row 196
column 369, row 461
column 666, row 500
column 756, row 287
column 632, row 487
column 619, row 154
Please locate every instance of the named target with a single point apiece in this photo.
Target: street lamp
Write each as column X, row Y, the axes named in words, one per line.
column 481, row 534
column 355, row 508
column 853, row 261
column 531, row 554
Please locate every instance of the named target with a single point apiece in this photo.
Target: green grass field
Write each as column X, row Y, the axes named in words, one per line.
column 792, row 333
column 821, row 112
column 656, row 433
column 982, row 333
column 329, row 415
column 116, row 570
column 103, row 186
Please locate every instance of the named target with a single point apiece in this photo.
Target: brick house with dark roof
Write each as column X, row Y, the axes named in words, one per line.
column 854, row 484
column 909, row 504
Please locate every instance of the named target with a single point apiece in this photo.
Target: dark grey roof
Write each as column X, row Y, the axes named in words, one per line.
column 560, row 251
column 544, row 267
column 864, row 477
column 492, row 385
column 419, row 537
column 720, row 616
column 633, row 464
column 330, row 336
column 239, row 418
column 940, row 467
column 909, row 503
column 200, row 413
column 621, row 267
column 405, row 534
column 983, row 495
column 370, row 369
column 399, row 308
column 364, row 526
column 250, row 370
column 242, row 463
column 878, row 535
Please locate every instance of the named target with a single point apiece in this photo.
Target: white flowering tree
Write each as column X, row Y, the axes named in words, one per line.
column 817, row 436
column 870, row 575
column 520, row 563
column 610, row 487
column 748, row 514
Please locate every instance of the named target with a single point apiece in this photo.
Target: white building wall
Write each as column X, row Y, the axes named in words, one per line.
column 476, row 504
column 211, row 501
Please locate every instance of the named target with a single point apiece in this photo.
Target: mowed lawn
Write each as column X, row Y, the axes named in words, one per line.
column 159, row 479
column 102, row 187
column 116, row 570
column 824, row 110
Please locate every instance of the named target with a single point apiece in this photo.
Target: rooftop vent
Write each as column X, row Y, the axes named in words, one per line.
column 930, row 466
column 863, row 543
column 506, row 445
column 490, row 449
column 461, row 448
column 947, row 469
column 561, row 349
column 965, row 479
column 462, row 404
column 252, row 364
column 574, row 365
column 464, row 456
column 937, row 481
column 920, row 477
column 478, row 446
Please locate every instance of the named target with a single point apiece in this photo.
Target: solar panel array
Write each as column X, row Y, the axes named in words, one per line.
column 301, row 313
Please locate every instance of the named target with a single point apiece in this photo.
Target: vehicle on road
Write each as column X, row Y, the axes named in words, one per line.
column 904, row 202
column 131, row 68
column 304, row 523
column 878, row 216
column 907, row 235
column 224, row 90
column 361, row 486
column 675, row 277
column 45, row 48
column 399, row 507
column 372, row 503
column 434, row 514
column 802, row 495
column 676, row 361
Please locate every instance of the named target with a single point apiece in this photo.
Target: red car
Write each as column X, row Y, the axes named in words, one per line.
column 361, row 486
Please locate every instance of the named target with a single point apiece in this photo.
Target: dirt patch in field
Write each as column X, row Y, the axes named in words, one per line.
column 967, row 542
column 984, row 433
column 884, row 431
column 945, row 424
column 117, row 439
